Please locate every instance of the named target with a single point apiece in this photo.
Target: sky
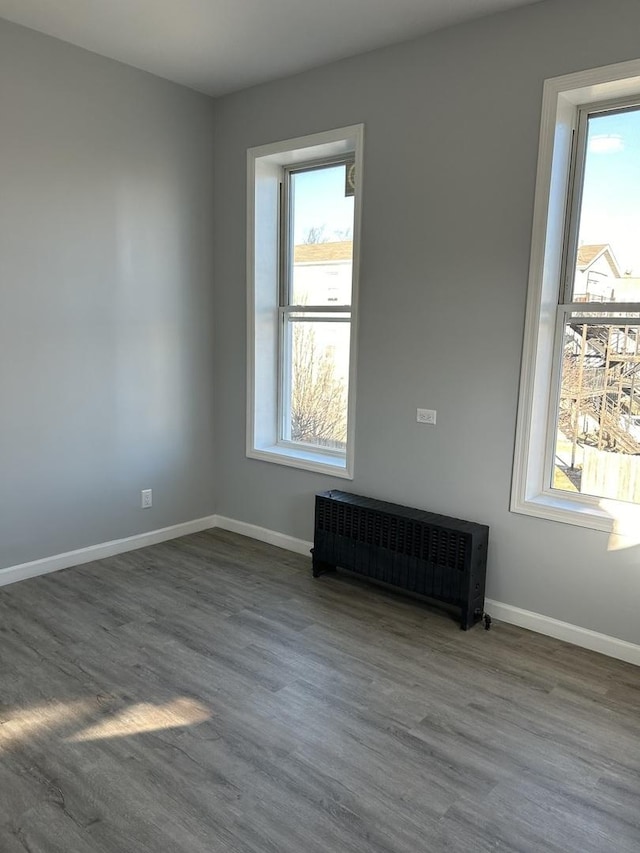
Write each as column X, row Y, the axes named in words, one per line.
column 320, row 201
column 610, row 210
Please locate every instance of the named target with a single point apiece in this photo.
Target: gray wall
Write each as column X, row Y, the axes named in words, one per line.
column 106, row 303
column 451, row 139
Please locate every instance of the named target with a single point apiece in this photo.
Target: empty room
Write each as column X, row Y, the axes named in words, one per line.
column 319, row 426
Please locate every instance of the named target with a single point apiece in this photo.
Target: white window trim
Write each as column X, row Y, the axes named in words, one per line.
column 531, row 495
column 264, row 167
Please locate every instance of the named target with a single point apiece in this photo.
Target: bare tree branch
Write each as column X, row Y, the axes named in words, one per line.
column 316, row 234
column 318, row 396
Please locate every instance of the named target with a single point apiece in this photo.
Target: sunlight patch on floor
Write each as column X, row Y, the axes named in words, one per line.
column 52, row 715
column 145, row 717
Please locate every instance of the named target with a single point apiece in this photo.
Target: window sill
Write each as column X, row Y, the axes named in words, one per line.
column 609, row 516
column 307, row 460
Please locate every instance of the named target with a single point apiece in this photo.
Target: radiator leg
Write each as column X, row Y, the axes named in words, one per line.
column 466, row 619
column 321, row 568
column 469, row 617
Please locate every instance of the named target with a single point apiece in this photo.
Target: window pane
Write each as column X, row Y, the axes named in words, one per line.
column 598, row 432
column 322, row 235
column 608, row 257
column 316, row 381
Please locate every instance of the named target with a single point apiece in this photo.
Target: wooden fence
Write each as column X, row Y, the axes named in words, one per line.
column 610, row 475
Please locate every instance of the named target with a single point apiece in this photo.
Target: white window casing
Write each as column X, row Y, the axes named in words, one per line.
column 532, row 493
column 266, row 166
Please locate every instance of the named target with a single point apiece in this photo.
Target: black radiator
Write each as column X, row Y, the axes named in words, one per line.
column 427, row 554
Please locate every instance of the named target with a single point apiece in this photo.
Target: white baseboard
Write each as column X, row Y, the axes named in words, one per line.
column 262, row 534
column 606, row 645
column 603, row 643
column 103, row 550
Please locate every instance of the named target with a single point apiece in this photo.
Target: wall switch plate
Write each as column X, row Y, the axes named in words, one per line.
column 426, row 416
column 146, row 498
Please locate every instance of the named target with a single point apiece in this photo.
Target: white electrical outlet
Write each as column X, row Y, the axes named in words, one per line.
column 426, row 416
column 146, row 498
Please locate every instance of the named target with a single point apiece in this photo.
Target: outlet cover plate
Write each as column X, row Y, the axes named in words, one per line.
column 426, row 416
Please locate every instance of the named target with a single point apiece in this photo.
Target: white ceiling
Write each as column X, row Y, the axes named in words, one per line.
column 219, row 46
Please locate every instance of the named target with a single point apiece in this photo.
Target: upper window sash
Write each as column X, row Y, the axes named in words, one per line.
column 287, row 241
column 575, row 185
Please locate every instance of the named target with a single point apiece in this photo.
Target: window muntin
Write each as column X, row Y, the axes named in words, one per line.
column 596, row 450
column 315, row 310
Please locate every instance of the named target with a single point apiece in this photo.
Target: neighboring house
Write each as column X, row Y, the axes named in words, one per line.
column 599, row 278
column 596, row 272
column 322, row 273
column 627, row 289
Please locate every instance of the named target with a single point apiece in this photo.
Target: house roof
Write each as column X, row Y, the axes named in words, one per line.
column 590, row 253
column 309, row 253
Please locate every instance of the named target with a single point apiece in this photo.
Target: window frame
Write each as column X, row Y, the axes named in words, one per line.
column 553, row 245
column 269, row 288
column 288, row 307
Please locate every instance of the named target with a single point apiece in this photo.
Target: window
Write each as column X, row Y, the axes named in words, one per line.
column 578, row 441
column 303, row 240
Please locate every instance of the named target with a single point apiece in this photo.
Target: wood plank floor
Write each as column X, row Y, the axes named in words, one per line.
column 208, row 695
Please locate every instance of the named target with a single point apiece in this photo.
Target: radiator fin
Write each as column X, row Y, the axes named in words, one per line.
column 402, row 536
